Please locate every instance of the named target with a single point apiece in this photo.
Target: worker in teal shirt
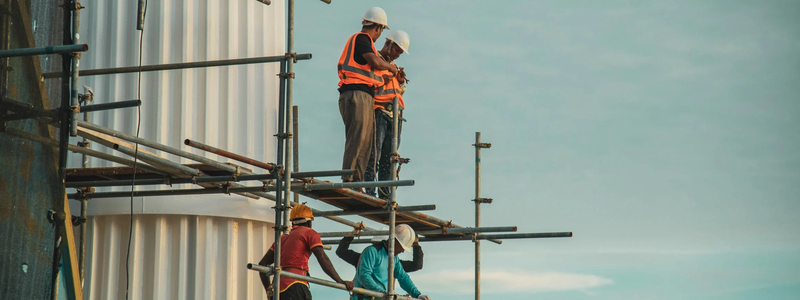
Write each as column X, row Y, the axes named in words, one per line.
column 372, row 272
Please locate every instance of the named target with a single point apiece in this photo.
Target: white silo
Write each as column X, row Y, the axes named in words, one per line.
column 183, row 247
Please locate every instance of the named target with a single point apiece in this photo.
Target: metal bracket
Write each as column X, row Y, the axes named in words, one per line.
column 483, row 200
column 293, row 56
column 286, row 75
column 83, row 144
column 283, row 135
column 483, row 145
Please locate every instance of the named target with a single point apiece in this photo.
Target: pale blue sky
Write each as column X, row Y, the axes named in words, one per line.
column 666, row 136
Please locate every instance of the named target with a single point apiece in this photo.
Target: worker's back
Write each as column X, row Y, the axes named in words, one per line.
column 295, row 251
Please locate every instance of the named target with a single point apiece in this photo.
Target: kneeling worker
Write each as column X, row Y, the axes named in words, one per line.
column 373, row 268
column 296, row 248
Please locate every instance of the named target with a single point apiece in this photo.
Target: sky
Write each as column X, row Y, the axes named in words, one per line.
column 664, row 134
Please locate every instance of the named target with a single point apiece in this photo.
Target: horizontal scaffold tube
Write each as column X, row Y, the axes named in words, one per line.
column 464, row 230
column 171, row 181
column 469, row 237
column 225, row 190
column 76, row 149
column 44, row 50
column 270, row 270
column 180, row 66
column 374, row 211
column 231, row 155
column 110, row 105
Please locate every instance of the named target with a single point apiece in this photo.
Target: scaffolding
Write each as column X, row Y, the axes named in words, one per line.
column 282, row 177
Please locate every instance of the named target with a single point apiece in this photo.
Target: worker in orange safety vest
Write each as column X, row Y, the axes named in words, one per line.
column 360, row 73
column 397, row 43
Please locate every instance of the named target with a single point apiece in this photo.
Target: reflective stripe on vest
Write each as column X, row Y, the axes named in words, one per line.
column 350, row 72
column 387, row 92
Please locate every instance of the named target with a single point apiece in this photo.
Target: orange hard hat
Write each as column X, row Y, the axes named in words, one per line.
column 301, row 214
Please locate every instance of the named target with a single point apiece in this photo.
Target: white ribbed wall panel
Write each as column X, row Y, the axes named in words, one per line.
column 232, row 108
column 175, row 257
column 198, row 250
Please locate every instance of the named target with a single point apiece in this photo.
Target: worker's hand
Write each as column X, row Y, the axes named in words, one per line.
column 387, row 78
column 348, row 285
column 393, row 69
column 401, row 75
column 425, row 297
column 416, row 236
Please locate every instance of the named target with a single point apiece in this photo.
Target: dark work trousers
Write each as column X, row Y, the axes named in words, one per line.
column 297, row 291
column 356, row 108
column 383, row 151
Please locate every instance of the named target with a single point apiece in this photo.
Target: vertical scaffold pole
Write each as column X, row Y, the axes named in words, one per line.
column 296, row 150
column 393, row 199
column 478, row 200
column 288, row 126
column 280, row 209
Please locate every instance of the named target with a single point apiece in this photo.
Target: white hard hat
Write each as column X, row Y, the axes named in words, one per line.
column 405, row 235
column 401, row 39
column 379, row 238
column 376, row 15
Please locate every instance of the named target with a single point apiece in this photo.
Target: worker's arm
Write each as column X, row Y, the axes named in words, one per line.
column 405, row 281
column 366, row 267
column 416, row 264
column 326, row 265
column 267, row 260
column 344, row 252
column 378, row 63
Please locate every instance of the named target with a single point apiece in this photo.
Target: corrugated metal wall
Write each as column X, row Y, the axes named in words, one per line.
column 175, row 257
column 28, row 177
column 232, row 108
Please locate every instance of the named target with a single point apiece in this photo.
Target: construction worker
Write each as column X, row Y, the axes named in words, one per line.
column 296, row 247
column 360, row 69
column 397, row 43
column 352, row 257
column 372, row 272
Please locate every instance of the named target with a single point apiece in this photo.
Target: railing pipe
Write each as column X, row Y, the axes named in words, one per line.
column 61, row 49
column 269, row 270
column 180, row 66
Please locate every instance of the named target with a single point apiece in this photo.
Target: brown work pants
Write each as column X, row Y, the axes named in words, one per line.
column 358, row 115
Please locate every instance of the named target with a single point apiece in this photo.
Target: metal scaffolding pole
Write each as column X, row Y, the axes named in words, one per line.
column 373, row 211
column 76, row 149
column 470, row 237
column 180, row 66
column 393, row 203
column 231, row 155
column 478, row 200
column 248, row 189
column 296, row 150
column 288, row 126
column 422, row 232
column 270, row 270
column 206, row 179
column 61, row 49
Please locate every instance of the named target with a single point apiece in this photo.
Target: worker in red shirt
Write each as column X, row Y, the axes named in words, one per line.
column 296, row 248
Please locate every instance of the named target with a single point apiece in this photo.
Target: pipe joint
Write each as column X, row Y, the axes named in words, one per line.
column 293, row 56
column 483, row 145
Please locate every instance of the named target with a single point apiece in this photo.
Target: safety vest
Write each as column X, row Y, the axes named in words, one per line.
column 384, row 94
column 350, row 72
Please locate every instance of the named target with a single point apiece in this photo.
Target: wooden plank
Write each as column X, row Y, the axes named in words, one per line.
column 69, row 255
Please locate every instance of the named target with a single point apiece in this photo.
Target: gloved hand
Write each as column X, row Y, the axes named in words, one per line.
column 425, row 297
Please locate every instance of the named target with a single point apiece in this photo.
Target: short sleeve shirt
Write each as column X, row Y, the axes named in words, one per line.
column 295, row 251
